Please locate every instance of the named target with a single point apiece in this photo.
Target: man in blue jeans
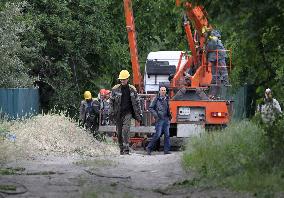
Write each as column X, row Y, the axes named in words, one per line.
column 160, row 109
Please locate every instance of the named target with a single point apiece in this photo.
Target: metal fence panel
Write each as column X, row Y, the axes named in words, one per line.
column 240, row 99
column 19, row 102
column 240, row 103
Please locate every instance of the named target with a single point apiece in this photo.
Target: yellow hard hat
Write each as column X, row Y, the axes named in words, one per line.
column 87, row 95
column 215, row 38
column 124, row 74
column 205, row 29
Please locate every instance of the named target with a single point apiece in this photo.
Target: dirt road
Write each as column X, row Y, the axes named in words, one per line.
column 135, row 175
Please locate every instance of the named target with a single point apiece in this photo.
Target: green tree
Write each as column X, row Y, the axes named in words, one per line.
column 13, row 72
column 82, row 44
column 77, row 49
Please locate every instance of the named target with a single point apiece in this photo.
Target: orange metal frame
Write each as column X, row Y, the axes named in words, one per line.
column 210, row 106
column 130, row 26
column 202, row 76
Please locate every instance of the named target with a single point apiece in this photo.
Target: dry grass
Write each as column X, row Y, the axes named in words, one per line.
column 50, row 134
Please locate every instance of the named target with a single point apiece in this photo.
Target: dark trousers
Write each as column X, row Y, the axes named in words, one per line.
column 123, row 128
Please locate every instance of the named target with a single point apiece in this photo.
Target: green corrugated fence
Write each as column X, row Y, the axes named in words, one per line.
column 19, row 102
column 241, row 100
column 240, row 103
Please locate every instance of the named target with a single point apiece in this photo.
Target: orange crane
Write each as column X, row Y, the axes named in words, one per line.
column 191, row 112
column 130, row 27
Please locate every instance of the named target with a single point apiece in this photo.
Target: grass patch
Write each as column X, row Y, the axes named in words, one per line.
column 187, row 182
column 255, row 181
column 7, row 187
column 11, row 171
column 96, row 163
column 90, row 194
column 235, row 158
column 4, row 129
column 42, row 173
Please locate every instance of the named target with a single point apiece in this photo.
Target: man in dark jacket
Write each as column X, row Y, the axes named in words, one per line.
column 89, row 112
column 124, row 105
column 160, row 109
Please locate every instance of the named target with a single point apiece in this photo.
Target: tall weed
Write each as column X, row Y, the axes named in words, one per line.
column 224, row 152
column 235, row 157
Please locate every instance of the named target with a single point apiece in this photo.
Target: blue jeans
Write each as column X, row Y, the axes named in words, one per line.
column 162, row 125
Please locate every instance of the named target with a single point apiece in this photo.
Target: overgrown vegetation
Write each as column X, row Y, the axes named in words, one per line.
column 81, row 45
column 7, row 187
column 13, row 71
column 239, row 157
column 11, row 171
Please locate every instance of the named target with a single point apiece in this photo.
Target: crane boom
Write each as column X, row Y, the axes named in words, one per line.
column 130, row 26
column 202, row 76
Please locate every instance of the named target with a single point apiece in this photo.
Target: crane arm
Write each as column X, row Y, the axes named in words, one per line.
column 197, row 15
column 130, row 26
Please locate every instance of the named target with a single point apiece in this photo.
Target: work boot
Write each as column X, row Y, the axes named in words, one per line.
column 148, row 151
column 121, row 152
column 167, row 152
column 126, row 152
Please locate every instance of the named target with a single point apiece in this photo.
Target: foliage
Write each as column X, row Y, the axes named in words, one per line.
column 13, row 72
column 274, row 137
column 227, row 151
column 73, row 39
column 80, row 45
column 237, row 157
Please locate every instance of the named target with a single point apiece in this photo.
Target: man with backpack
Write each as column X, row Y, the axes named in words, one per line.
column 89, row 112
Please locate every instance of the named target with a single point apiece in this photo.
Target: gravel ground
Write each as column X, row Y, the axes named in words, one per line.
column 52, row 157
column 135, row 175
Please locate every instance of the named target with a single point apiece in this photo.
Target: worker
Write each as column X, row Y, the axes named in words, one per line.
column 271, row 108
column 160, row 109
column 101, row 97
column 89, row 112
column 124, row 105
column 216, row 55
column 105, row 108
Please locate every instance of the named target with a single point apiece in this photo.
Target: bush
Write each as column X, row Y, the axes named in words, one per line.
column 236, row 157
column 227, row 151
column 274, row 137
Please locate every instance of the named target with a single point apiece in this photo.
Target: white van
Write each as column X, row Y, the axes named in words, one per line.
column 159, row 65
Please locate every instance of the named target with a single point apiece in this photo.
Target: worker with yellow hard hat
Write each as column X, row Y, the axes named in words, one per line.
column 124, row 105
column 89, row 112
